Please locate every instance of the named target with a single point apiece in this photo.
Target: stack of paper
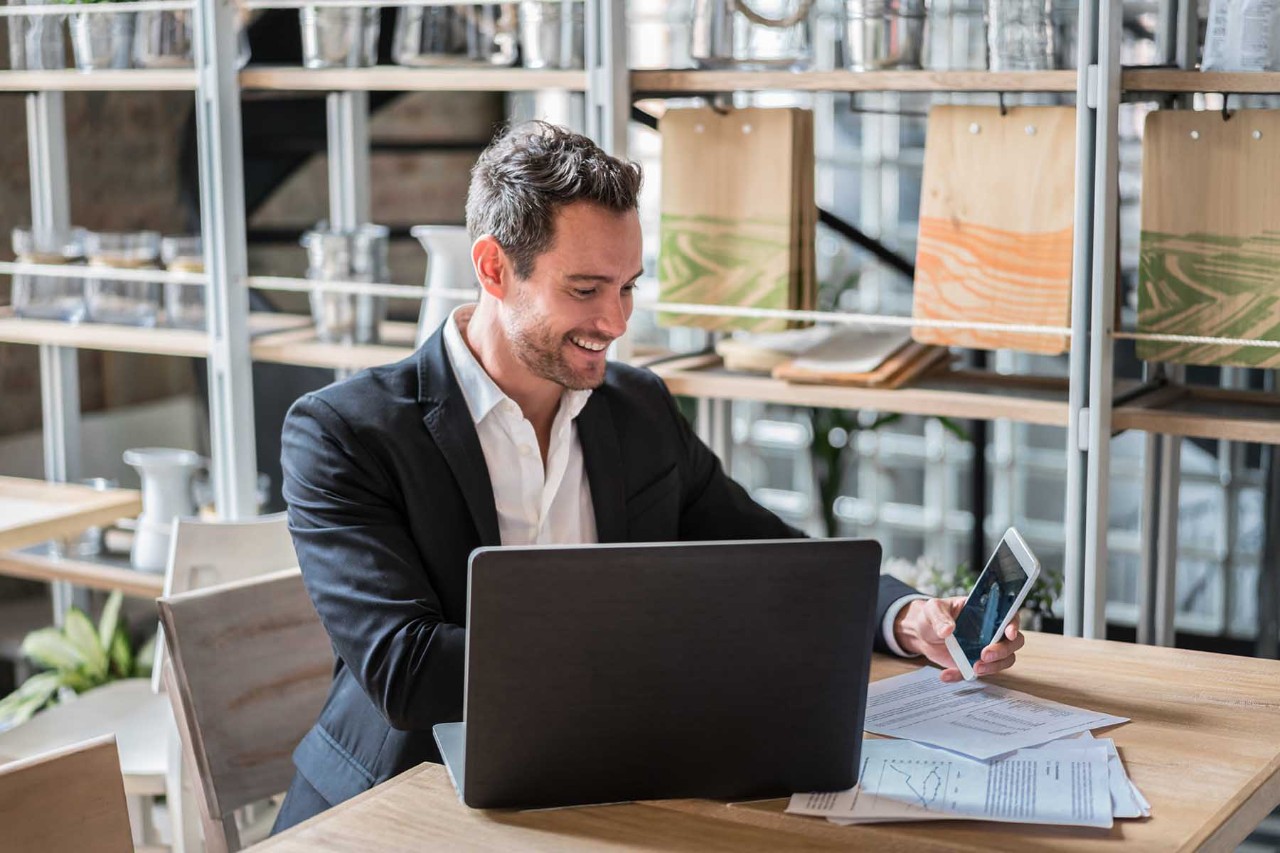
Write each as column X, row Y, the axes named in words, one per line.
column 1077, row 782
column 978, row 751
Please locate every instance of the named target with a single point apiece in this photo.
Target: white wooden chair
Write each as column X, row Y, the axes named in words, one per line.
column 248, row 672
column 65, row 801
column 135, row 710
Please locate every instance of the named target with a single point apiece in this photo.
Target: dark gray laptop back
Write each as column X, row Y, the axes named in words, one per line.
column 722, row 670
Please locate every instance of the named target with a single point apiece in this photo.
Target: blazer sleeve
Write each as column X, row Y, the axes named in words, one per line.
column 363, row 572
column 714, row 506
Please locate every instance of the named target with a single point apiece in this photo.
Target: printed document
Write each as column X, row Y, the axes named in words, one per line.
column 973, row 718
column 899, row 780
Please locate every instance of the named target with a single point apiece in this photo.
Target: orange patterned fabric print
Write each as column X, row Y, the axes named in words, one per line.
column 989, row 275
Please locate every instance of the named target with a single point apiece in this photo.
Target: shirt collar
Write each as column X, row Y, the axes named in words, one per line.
column 478, row 388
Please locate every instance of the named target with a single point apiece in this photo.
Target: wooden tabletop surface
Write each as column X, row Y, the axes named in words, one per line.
column 1203, row 747
column 32, row 511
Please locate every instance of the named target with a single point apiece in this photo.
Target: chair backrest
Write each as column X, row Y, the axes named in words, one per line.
column 209, row 553
column 250, row 667
column 69, row 799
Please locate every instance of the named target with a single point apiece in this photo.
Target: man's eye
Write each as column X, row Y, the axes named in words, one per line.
column 583, row 294
column 629, row 288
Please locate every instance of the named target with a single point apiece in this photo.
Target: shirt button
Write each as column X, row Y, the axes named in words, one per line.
column 526, row 450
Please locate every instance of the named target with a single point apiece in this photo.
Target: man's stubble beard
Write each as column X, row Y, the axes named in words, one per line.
column 539, row 350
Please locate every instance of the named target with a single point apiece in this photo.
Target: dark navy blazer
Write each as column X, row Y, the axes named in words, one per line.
column 388, row 495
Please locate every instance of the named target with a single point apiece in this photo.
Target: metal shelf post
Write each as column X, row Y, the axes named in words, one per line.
column 1079, row 437
column 222, row 216
column 1102, row 319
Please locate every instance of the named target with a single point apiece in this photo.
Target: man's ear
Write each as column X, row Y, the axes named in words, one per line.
column 493, row 268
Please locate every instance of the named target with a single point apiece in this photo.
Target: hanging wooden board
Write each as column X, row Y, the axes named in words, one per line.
column 1210, row 251
column 734, row 202
column 996, row 211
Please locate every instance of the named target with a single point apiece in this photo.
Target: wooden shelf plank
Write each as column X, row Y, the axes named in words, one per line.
column 1175, row 80
column 32, row 511
column 1204, row 413
column 396, row 78
column 959, row 394
column 71, row 80
column 105, row 573
column 302, row 347
column 150, row 341
column 675, row 82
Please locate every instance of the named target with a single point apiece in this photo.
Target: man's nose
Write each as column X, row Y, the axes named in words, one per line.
column 613, row 321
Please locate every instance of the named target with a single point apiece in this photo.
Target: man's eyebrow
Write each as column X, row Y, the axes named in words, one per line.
column 586, row 276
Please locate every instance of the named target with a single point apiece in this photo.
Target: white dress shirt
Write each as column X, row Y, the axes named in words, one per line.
column 537, row 505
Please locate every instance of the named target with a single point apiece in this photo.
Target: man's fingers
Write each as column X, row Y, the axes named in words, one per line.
column 1011, row 631
column 1002, row 648
column 951, row 675
column 989, row 667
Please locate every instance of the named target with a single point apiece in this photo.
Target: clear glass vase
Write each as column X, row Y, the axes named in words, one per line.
column 447, row 36
column 102, row 40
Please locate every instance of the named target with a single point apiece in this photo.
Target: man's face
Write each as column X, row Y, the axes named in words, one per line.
column 560, row 320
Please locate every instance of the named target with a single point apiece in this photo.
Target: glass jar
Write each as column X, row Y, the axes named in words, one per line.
column 1019, row 35
column 35, row 41
column 164, row 39
column 360, row 256
column 102, row 40
column 340, row 37
column 751, row 34
column 956, row 37
column 49, row 297
column 444, row 36
column 551, row 33
column 883, row 34
column 184, row 304
column 124, row 302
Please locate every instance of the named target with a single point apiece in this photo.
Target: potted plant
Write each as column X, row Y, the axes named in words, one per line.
column 101, row 40
column 75, row 658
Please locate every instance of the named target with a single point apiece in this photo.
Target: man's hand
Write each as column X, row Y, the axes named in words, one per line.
column 921, row 626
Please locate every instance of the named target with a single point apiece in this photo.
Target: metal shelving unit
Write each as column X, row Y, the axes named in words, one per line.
column 1085, row 403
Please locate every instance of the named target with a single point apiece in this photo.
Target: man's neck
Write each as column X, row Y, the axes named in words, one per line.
column 538, row 398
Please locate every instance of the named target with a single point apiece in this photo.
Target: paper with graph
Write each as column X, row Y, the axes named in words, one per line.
column 1060, row 784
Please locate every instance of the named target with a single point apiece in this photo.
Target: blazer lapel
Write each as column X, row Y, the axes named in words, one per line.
column 449, row 422
column 602, row 457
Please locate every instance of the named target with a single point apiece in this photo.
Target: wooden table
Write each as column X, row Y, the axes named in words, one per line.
column 109, row 573
column 1204, row 748
column 32, row 511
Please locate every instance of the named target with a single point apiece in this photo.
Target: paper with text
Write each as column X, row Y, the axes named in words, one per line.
column 973, row 718
column 901, row 781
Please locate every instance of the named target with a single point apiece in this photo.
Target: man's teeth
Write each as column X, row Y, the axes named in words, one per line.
column 585, row 344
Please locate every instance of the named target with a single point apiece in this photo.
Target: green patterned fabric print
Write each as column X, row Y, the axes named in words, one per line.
column 1210, row 286
column 711, row 261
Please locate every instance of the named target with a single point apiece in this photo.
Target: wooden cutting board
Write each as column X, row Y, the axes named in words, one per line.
column 996, row 211
column 737, row 213
column 1210, row 250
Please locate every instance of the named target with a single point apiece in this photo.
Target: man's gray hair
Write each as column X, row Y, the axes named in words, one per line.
column 532, row 170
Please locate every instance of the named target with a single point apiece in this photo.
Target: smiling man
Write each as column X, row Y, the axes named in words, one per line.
column 507, row 427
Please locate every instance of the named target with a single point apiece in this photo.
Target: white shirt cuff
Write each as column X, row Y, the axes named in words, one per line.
column 886, row 627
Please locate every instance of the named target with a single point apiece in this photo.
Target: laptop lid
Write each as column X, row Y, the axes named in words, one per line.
column 712, row 669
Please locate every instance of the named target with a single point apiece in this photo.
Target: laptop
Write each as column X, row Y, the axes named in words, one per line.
column 726, row 670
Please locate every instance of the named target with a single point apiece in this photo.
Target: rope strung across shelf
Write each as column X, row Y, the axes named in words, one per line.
column 1193, row 339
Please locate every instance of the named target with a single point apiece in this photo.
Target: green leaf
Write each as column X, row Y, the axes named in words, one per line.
column 51, row 649
column 145, row 660
column 80, row 631
column 110, row 619
column 34, row 694
column 121, row 653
